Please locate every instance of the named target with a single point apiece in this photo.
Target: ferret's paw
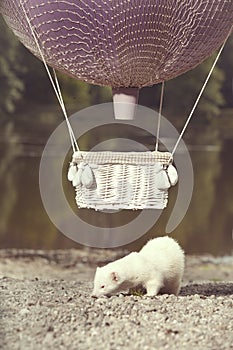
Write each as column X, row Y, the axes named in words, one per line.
column 153, row 288
column 151, row 295
column 152, row 292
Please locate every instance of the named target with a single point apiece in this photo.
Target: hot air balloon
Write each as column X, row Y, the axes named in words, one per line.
column 124, row 44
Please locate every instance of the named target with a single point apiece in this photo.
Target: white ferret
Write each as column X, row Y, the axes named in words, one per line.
column 158, row 267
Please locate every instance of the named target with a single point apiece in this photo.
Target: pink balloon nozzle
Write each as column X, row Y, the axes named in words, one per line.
column 124, row 102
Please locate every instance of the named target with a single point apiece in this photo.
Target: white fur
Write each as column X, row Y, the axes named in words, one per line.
column 158, row 267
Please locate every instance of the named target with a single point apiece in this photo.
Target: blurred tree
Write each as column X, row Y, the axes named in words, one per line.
column 37, row 87
column 226, row 64
column 11, row 87
column 77, row 93
column 222, row 211
column 100, row 94
column 181, row 93
column 11, row 84
column 9, row 151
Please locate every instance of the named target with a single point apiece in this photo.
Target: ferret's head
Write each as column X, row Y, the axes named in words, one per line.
column 106, row 282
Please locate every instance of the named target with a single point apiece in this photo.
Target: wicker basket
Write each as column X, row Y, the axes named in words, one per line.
column 120, row 180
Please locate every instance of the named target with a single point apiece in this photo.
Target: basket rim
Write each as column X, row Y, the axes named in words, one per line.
column 128, row 157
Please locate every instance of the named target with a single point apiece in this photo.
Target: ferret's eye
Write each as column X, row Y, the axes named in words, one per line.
column 102, row 287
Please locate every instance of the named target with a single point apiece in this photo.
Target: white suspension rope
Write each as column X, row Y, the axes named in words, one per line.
column 159, row 117
column 55, row 85
column 72, row 137
column 199, row 96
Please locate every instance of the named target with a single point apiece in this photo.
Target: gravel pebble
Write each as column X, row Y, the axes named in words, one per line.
column 48, row 313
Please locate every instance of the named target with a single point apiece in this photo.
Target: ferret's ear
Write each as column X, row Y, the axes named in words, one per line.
column 114, row 276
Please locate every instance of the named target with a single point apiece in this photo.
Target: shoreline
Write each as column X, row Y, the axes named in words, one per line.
column 81, row 264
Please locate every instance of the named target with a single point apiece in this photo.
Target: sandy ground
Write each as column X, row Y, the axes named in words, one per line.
column 46, row 304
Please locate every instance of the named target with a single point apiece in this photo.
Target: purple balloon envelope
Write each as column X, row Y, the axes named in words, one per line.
column 121, row 43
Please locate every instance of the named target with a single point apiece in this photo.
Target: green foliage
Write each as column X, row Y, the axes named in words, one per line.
column 9, row 151
column 181, row 93
column 11, row 85
column 138, row 291
column 226, row 64
column 37, row 87
column 100, row 94
column 77, row 93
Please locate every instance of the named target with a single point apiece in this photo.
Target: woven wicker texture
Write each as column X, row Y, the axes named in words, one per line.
column 134, row 158
column 122, row 43
column 123, row 180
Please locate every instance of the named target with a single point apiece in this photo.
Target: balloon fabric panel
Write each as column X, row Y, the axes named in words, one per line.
column 121, row 43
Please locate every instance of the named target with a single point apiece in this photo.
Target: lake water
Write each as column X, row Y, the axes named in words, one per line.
column 24, row 223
